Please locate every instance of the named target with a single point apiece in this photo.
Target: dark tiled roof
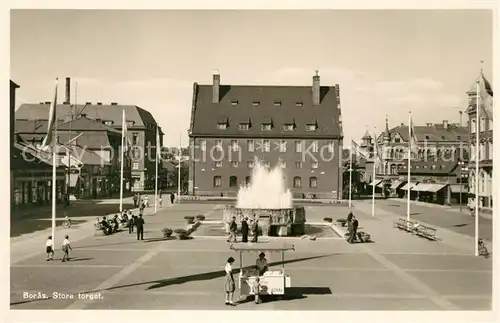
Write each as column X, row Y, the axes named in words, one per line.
column 139, row 116
column 205, row 114
column 86, row 124
column 96, row 140
column 31, row 126
column 430, row 167
column 432, row 133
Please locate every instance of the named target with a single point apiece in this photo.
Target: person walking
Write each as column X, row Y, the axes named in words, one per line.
column 172, row 198
column 354, row 228
column 135, row 198
column 131, row 223
column 233, row 227
column 254, row 228
column 66, row 247
column 49, row 248
column 244, row 230
column 230, row 286
column 146, row 201
column 139, row 223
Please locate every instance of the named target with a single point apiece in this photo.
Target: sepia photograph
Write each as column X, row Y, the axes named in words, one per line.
column 229, row 160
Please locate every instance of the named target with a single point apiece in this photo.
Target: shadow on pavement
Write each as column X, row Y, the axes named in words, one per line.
column 179, row 280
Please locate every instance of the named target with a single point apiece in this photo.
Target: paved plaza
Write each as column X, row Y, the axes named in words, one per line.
column 398, row 271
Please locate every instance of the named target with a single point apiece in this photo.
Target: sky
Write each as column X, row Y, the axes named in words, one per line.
column 385, row 62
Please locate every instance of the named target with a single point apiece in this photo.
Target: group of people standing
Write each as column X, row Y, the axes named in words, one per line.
column 247, row 228
column 142, row 201
column 65, row 247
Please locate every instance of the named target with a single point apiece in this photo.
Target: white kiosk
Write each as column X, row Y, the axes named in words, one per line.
column 272, row 282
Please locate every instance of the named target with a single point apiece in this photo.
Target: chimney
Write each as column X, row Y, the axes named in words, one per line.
column 47, row 102
column 99, row 103
column 429, row 124
column 88, row 103
column 83, row 115
column 315, row 89
column 68, row 91
column 216, row 87
column 114, row 103
column 445, row 124
column 402, row 124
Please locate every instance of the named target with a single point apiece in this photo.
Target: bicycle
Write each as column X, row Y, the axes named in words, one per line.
column 483, row 251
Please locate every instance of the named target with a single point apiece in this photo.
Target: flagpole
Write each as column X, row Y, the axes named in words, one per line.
column 374, row 176
column 54, row 170
column 156, row 170
column 409, row 159
column 350, row 176
column 476, row 231
column 179, row 171
column 122, row 158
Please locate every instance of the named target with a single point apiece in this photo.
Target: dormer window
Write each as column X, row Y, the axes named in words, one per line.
column 417, row 167
column 427, row 138
column 442, row 166
column 443, row 137
column 266, row 127
column 288, row 127
column 222, row 125
column 244, row 126
column 234, row 102
column 311, row 127
column 299, row 104
column 255, row 103
column 130, row 123
column 108, row 122
column 433, row 166
column 277, row 103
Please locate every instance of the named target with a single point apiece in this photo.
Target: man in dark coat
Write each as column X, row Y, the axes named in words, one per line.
column 354, row 229
column 244, row 230
column 172, row 198
column 139, row 224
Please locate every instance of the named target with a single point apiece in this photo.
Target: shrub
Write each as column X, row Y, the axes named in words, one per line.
column 200, row 217
column 189, row 218
column 167, row 232
column 328, row 220
column 180, row 231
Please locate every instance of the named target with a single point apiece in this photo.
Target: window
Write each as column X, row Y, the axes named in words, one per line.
column 222, row 126
column 490, row 124
column 135, row 165
column 266, row 127
column 233, row 181
column 314, row 165
column 298, row 165
column 217, row 181
column 443, row 137
column 266, row 145
column 490, row 150
column 315, row 147
column 459, row 137
column 108, row 122
column 288, row 127
column 135, row 138
column 472, row 152
column 250, row 163
column 266, row 164
column 244, row 126
column 234, row 102
column 203, row 145
column 235, row 163
column 433, row 166
column 482, row 125
column 218, row 164
column 130, row 123
column 297, row 182
column 282, row 146
column 250, row 145
column 234, row 145
column 310, row 127
column 473, row 126
column 277, row 103
column 255, row 103
column 218, row 144
column 330, row 146
column 313, row 182
column 299, row 104
column 248, row 179
column 282, row 163
column 298, row 146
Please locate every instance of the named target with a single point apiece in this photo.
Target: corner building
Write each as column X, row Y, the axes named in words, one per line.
column 296, row 128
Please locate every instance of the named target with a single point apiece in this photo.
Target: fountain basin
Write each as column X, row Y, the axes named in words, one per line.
column 271, row 222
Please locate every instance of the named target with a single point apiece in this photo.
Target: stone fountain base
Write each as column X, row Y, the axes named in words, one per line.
column 271, row 222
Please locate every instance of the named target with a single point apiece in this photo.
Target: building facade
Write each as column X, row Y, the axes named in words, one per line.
column 296, row 128
column 141, row 127
column 485, row 157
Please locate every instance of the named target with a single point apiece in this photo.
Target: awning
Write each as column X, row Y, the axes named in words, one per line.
column 411, row 184
column 422, row 187
column 436, row 187
column 455, row 188
column 375, row 182
column 381, row 184
column 396, row 184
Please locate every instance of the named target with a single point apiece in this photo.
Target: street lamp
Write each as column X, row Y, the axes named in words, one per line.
column 462, row 170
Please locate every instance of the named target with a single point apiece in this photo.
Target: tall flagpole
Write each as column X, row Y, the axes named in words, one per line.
column 476, row 231
column 122, row 153
column 179, row 171
column 374, row 175
column 350, row 176
column 156, row 169
column 54, row 170
column 409, row 158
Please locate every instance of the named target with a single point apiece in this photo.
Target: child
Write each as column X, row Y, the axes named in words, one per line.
column 256, row 289
column 49, row 249
column 66, row 247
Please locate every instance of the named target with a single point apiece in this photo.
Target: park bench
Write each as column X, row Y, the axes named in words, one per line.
column 425, row 232
column 404, row 224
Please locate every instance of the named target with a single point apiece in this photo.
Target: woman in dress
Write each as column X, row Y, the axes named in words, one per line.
column 229, row 285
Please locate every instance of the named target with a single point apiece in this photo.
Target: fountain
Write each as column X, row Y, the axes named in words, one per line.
column 267, row 200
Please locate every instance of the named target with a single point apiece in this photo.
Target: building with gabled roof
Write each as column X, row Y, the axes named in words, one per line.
column 297, row 128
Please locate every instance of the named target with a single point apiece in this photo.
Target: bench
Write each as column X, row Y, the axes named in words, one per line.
column 404, row 224
column 425, row 232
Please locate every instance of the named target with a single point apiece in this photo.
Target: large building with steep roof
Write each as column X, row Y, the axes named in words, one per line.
column 141, row 127
column 297, row 128
column 485, row 140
